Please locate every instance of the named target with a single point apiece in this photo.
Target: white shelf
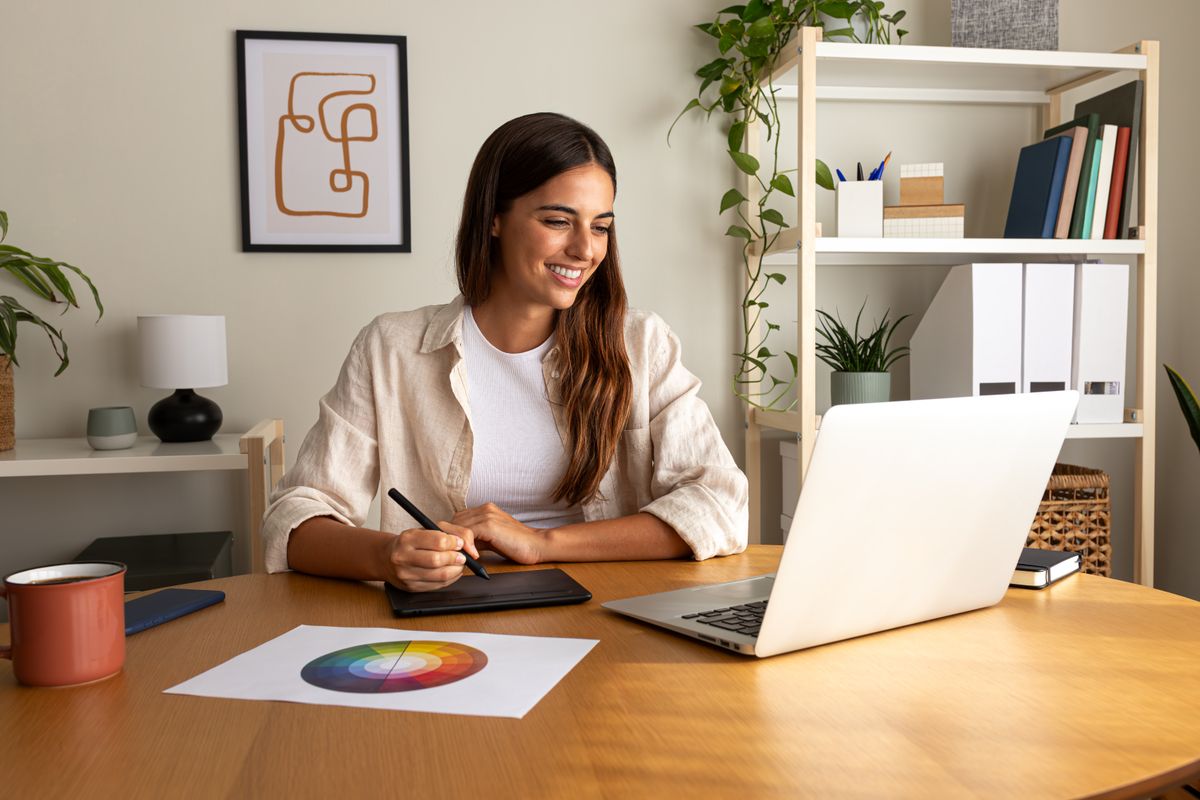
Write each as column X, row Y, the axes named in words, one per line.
column 897, row 250
column 1116, row 430
column 790, row 421
column 41, row 457
column 874, row 71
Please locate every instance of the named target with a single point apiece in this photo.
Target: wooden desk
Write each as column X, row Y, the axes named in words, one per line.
column 1090, row 688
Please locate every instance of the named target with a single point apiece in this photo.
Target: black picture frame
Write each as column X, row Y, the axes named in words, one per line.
column 350, row 213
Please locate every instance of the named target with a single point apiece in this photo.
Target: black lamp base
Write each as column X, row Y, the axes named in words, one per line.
column 185, row 417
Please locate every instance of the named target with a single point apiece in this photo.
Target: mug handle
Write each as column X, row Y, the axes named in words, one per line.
column 5, row 649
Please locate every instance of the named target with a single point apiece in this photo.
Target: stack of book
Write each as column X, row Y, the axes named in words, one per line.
column 1077, row 183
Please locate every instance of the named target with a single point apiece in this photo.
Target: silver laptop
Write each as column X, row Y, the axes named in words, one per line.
column 910, row 511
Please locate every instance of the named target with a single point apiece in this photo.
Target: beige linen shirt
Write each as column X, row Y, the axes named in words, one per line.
column 398, row 416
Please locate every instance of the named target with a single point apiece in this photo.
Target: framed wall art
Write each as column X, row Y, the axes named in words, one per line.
column 323, row 127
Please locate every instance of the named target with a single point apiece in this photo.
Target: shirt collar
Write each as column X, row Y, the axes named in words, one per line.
column 445, row 327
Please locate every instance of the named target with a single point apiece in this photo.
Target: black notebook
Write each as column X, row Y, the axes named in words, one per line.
column 539, row 587
column 1038, row 568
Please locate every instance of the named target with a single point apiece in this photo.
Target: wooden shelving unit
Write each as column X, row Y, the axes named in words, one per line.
column 841, row 72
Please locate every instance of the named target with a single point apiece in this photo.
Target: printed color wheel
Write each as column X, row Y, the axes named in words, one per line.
column 393, row 666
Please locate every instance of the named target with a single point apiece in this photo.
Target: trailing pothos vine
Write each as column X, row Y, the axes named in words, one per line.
column 750, row 39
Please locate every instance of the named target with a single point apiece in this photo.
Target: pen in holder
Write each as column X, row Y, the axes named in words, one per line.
column 860, row 208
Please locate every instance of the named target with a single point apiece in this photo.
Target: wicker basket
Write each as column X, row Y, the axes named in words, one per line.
column 1075, row 515
column 7, row 441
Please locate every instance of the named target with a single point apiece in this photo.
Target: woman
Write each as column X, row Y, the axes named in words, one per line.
column 532, row 416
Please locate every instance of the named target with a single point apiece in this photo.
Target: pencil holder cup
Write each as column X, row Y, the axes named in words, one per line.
column 111, row 428
column 860, row 208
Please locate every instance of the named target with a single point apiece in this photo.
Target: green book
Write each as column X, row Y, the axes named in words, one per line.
column 1091, row 159
column 1090, row 208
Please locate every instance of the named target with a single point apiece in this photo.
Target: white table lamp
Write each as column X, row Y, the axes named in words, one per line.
column 183, row 352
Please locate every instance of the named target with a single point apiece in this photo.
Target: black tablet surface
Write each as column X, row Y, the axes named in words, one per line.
column 541, row 587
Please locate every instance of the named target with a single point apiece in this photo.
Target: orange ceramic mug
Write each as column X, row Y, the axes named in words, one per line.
column 67, row 623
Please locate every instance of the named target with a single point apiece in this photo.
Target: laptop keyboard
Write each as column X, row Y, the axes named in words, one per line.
column 746, row 618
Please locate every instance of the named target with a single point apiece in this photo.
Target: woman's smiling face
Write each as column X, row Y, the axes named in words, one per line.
column 553, row 238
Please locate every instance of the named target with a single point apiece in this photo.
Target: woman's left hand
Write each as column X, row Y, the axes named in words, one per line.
column 496, row 530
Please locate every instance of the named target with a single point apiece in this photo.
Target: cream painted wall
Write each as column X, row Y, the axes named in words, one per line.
column 124, row 161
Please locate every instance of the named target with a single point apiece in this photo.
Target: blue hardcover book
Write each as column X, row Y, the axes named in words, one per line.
column 1037, row 189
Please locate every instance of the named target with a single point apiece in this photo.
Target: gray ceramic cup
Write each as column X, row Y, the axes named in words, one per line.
column 111, row 428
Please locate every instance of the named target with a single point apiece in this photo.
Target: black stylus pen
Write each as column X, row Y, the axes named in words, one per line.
column 428, row 524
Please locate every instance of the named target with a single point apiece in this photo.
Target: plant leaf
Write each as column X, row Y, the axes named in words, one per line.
column 90, row 285
column 713, row 68
column 708, row 28
column 762, row 29
column 824, row 177
column 745, row 162
column 737, row 134
column 731, row 199
column 693, row 103
column 754, row 11
column 783, row 184
column 778, row 277
column 29, row 276
column 739, row 232
column 3, row 225
column 837, row 10
column 773, row 216
column 1187, row 402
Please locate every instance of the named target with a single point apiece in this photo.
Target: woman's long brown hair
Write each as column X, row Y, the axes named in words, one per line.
column 518, row 157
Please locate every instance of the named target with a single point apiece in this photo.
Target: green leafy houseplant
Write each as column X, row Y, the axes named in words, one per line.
column 1187, row 402
column 851, row 351
column 45, row 278
column 750, row 39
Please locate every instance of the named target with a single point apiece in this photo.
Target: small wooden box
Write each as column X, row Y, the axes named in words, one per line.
column 922, row 191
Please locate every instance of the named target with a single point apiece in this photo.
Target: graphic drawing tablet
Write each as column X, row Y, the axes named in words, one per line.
column 541, row 587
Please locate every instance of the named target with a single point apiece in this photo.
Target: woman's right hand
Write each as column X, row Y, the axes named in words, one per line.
column 418, row 560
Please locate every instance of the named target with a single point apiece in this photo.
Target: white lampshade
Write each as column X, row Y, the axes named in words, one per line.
column 182, row 351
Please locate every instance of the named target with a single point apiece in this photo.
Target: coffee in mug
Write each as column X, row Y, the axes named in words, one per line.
column 67, row 622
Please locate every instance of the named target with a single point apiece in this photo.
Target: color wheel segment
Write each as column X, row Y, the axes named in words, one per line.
column 393, row 666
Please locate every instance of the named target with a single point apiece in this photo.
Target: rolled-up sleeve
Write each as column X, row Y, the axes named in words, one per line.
column 698, row 489
column 337, row 469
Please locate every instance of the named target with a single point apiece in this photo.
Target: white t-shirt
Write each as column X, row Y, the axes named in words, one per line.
column 518, row 457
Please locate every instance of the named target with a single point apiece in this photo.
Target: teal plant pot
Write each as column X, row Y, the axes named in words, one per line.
column 860, row 387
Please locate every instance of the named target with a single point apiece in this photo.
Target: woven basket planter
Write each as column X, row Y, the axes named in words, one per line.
column 1075, row 515
column 7, row 418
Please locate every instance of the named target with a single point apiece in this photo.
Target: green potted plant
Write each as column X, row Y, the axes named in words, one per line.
column 46, row 279
column 749, row 40
column 860, row 361
column 1187, row 402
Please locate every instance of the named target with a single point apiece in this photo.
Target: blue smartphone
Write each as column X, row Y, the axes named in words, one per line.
column 165, row 605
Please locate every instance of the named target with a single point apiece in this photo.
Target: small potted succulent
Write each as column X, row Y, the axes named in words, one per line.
column 860, row 361
column 44, row 277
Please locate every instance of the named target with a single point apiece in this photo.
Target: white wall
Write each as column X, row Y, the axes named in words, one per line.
column 119, row 154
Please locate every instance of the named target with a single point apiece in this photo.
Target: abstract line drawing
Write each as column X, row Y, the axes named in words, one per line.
column 323, row 138
column 344, row 179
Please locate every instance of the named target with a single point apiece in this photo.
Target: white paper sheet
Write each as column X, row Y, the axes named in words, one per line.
column 479, row 674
